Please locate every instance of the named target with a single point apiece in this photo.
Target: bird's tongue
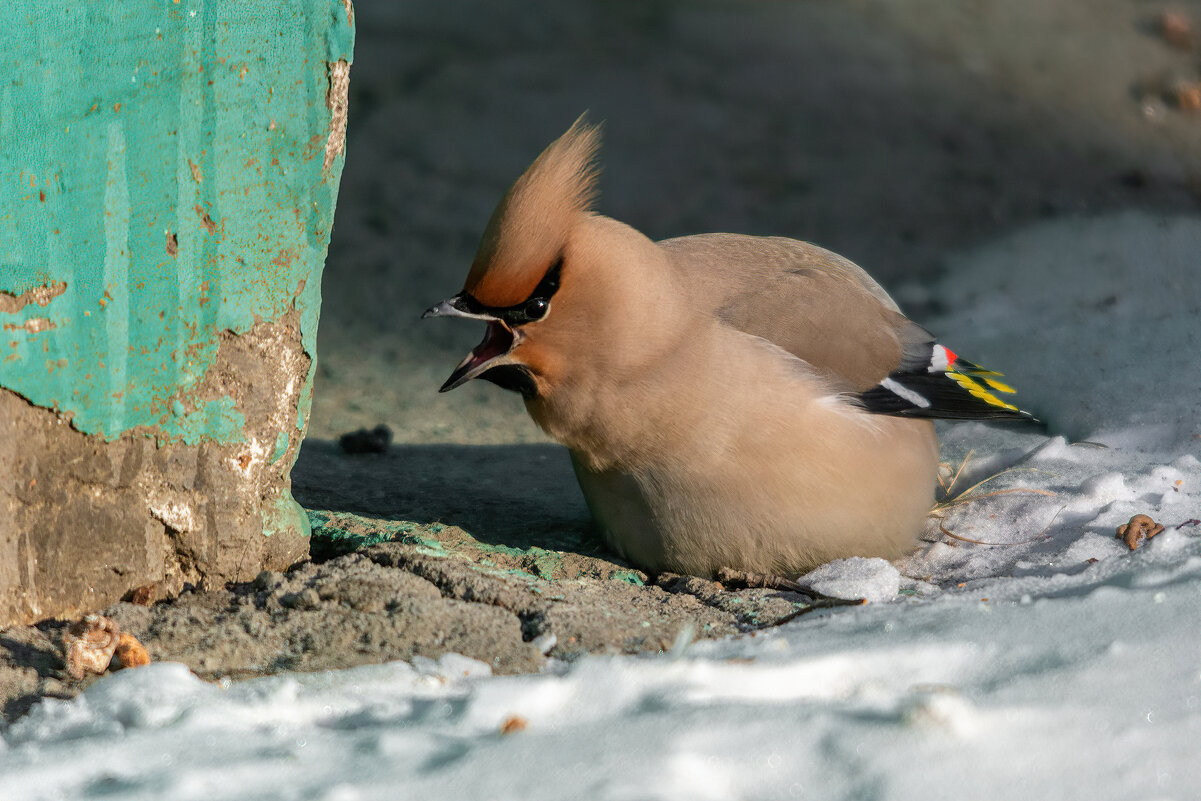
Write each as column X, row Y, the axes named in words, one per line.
column 498, row 340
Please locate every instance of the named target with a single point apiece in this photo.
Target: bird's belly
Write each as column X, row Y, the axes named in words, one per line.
column 785, row 521
column 624, row 515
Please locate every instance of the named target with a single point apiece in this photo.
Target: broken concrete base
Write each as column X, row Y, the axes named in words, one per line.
column 432, row 590
column 84, row 521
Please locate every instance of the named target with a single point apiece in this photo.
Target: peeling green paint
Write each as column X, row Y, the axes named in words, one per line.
column 629, row 577
column 341, row 532
column 280, row 448
column 162, row 180
column 285, row 514
column 338, row 533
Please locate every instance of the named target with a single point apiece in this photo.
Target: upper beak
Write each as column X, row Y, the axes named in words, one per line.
column 453, row 307
column 499, row 341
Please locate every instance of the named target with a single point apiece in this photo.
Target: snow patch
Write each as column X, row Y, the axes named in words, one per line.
column 874, row 580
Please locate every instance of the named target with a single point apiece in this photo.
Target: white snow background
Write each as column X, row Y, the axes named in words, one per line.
column 1054, row 664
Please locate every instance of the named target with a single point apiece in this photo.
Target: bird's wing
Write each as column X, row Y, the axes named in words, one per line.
column 826, row 310
column 814, row 304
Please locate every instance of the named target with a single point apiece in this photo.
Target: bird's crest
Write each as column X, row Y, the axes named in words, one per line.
column 530, row 225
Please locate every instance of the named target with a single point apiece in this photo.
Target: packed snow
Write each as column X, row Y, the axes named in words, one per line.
column 1022, row 652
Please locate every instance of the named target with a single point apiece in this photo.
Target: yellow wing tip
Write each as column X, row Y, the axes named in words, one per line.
column 999, row 386
column 974, row 389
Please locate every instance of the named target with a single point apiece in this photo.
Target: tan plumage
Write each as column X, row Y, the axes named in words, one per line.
column 717, row 392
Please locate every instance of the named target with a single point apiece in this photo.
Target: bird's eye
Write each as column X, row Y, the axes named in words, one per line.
column 535, row 308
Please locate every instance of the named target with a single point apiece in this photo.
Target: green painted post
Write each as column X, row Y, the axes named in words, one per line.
column 168, row 175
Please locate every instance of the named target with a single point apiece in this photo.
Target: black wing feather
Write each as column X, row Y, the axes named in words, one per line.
column 961, row 391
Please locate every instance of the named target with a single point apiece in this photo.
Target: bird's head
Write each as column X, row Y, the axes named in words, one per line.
column 556, row 283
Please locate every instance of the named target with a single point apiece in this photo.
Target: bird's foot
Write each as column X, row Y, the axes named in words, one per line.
column 743, row 579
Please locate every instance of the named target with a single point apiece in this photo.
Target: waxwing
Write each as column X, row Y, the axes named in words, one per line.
column 749, row 403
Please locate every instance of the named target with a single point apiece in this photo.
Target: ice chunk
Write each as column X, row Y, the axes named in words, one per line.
column 875, row 580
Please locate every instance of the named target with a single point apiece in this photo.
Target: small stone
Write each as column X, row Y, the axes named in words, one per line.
column 306, row 599
column 90, row 644
column 143, row 596
column 1185, row 95
column 376, row 440
column 131, row 653
column 1177, row 30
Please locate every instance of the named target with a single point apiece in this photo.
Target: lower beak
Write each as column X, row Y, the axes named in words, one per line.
column 499, row 341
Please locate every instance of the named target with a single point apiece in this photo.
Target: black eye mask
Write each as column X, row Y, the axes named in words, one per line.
column 532, row 309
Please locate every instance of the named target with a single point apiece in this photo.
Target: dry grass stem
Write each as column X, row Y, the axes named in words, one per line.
column 971, row 495
column 961, row 500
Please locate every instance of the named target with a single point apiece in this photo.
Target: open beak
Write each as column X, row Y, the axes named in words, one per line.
column 499, row 341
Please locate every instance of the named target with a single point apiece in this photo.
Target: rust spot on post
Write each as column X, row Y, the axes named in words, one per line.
column 41, row 295
column 172, row 243
column 285, row 258
column 206, row 220
column 34, row 325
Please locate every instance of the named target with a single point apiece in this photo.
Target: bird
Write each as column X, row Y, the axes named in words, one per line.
column 730, row 402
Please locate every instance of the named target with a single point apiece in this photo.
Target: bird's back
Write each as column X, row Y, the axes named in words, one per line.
column 809, row 301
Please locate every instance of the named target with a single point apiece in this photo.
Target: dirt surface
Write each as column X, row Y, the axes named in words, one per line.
column 426, row 591
column 534, row 585
column 896, row 134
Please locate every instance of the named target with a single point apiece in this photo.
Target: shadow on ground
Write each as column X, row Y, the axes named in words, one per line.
column 30, row 668
column 520, row 496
